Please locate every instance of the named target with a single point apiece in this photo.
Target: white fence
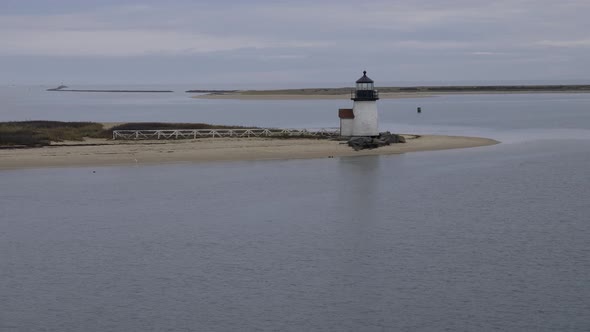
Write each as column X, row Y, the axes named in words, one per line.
column 204, row 133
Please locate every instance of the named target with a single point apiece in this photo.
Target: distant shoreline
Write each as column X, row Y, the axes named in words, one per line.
column 211, row 91
column 391, row 92
column 344, row 92
column 102, row 152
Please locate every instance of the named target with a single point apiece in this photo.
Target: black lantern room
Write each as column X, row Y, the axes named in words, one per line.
column 365, row 90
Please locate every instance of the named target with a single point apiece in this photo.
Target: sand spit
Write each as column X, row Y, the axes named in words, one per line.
column 99, row 152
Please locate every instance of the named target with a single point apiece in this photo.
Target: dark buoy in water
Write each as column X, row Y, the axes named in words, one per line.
column 419, row 110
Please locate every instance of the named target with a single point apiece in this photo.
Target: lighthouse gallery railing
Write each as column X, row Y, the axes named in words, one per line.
column 364, row 94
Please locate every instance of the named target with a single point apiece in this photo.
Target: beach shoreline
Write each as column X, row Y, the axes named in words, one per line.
column 102, row 152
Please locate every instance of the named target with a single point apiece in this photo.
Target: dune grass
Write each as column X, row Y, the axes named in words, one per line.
column 165, row 126
column 42, row 133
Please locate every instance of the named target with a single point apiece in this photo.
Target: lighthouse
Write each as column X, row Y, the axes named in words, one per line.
column 362, row 120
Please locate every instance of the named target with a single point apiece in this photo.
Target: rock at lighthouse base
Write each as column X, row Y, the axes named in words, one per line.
column 386, row 138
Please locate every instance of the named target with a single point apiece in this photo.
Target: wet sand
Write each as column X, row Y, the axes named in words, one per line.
column 100, row 152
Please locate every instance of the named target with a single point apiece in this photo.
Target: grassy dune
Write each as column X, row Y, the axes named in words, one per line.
column 164, row 126
column 42, row 133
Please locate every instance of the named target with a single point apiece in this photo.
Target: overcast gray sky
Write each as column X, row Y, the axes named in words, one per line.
column 211, row 43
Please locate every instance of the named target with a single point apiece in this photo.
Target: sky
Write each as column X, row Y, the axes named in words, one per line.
column 289, row 43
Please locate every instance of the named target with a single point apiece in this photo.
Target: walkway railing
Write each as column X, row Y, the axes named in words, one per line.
column 204, row 133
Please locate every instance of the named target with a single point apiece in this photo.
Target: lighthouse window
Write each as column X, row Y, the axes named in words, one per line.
column 364, row 86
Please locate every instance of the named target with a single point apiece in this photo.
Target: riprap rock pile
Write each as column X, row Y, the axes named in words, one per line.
column 386, row 138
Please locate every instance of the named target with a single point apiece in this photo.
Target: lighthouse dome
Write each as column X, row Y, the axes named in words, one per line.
column 365, row 78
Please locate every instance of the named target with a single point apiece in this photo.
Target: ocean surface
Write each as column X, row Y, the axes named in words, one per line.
column 489, row 238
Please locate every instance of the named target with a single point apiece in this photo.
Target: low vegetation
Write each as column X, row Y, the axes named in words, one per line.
column 40, row 133
column 458, row 89
column 165, row 126
column 309, row 91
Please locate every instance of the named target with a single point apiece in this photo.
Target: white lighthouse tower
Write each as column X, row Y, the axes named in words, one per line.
column 365, row 122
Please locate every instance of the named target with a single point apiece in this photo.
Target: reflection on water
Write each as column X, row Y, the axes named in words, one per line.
column 358, row 188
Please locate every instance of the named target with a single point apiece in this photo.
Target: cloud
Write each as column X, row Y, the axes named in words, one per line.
column 483, row 53
column 283, row 57
column 126, row 31
column 189, row 28
column 313, row 37
column 564, row 43
column 116, row 42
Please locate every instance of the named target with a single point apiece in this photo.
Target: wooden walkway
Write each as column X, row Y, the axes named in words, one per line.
column 208, row 133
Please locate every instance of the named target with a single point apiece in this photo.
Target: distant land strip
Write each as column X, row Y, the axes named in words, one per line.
column 476, row 88
column 211, row 91
column 392, row 91
column 388, row 92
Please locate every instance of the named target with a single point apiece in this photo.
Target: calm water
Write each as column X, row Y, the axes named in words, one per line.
column 491, row 238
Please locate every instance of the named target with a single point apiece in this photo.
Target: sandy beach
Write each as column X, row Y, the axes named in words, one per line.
column 100, row 152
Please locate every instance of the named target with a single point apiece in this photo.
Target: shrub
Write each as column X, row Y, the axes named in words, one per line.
column 164, row 126
column 39, row 133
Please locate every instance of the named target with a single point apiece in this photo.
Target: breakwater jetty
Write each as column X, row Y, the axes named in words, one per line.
column 115, row 91
column 63, row 88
